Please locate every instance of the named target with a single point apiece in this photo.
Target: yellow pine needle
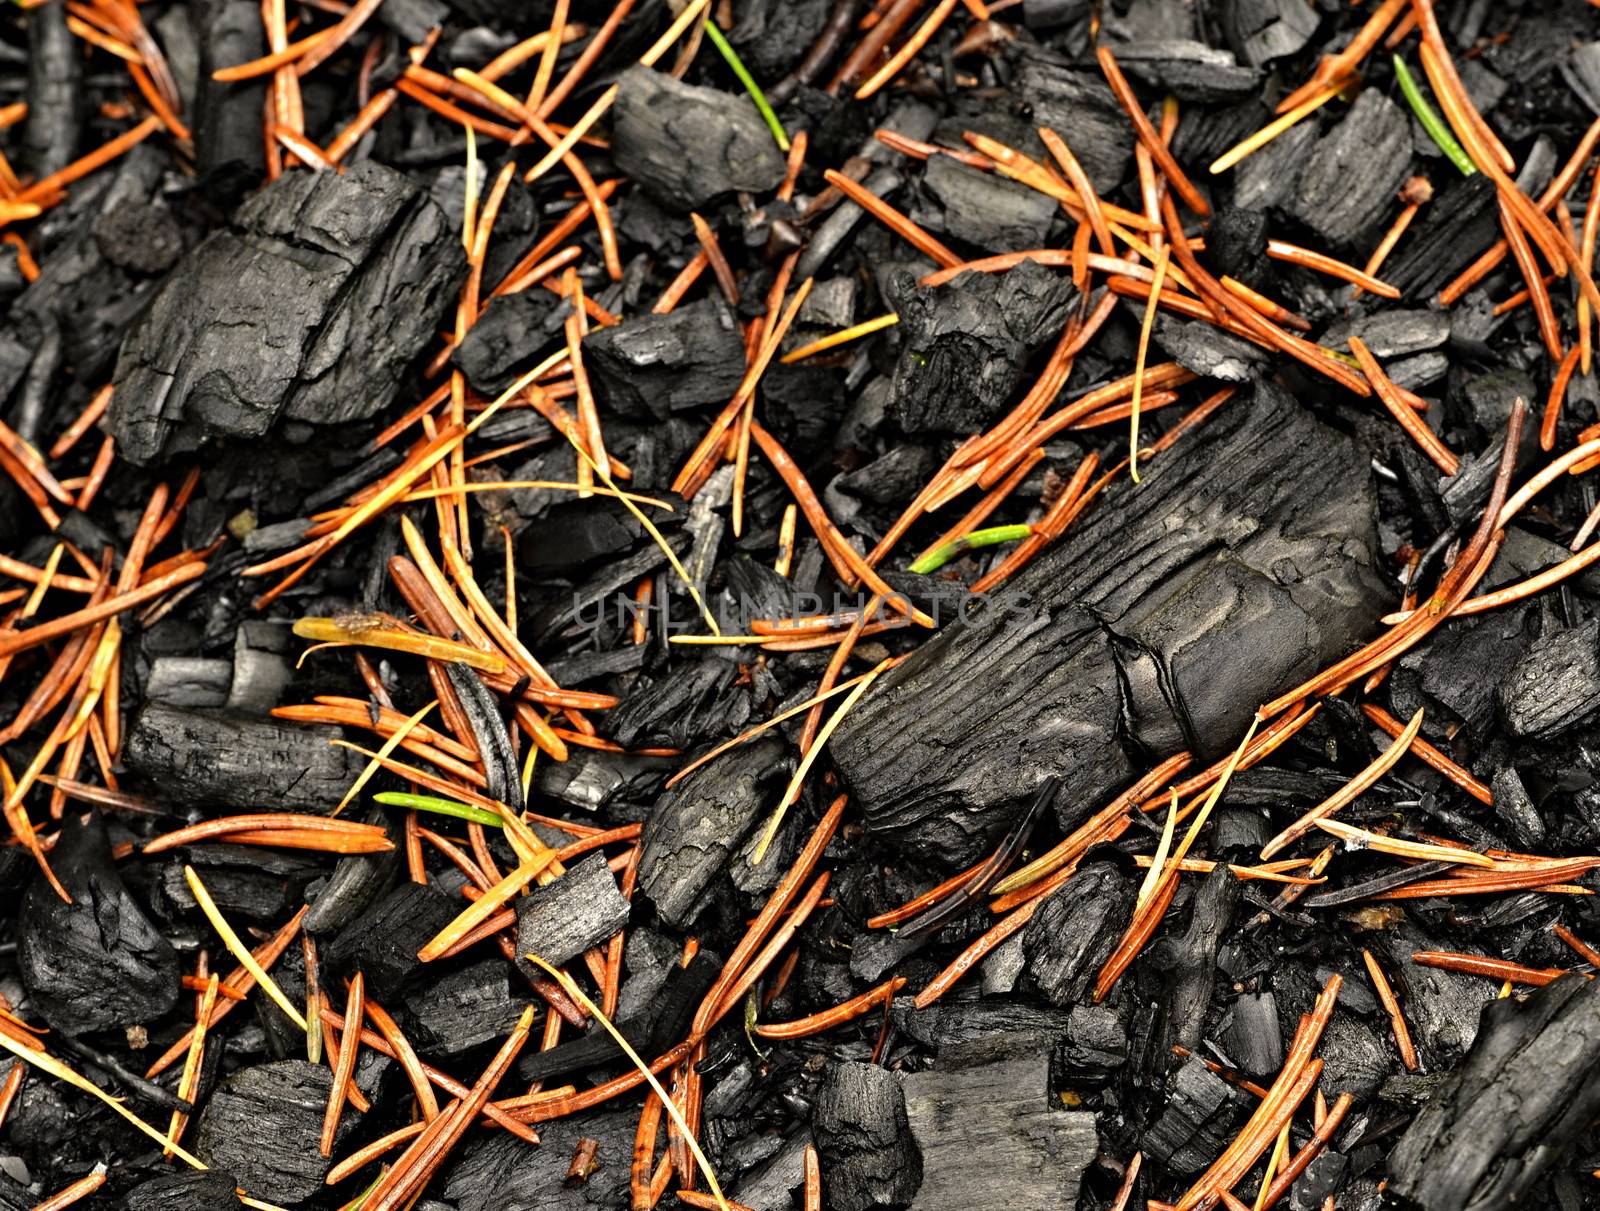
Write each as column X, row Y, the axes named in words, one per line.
column 1216, row 793
column 570, row 987
column 806, row 762
column 105, row 656
column 36, row 598
column 469, row 208
column 238, row 949
column 375, row 631
column 1159, row 275
column 191, row 1065
column 1273, row 1164
column 1254, row 143
column 1360, row 838
column 527, row 770
column 1159, row 862
column 46, row 1062
column 374, row 764
column 484, row 907
column 674, row 31
column 842, row 337
column 720, row 640
column 650, row 527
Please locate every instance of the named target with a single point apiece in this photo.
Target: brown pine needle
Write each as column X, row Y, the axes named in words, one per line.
column 1360, row 838
column 1349, row 792
column 1391, row 1006
column 344, row 1070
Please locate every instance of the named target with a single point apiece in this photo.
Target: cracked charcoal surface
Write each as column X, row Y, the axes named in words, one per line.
column 1146, row 649
column 311, row 309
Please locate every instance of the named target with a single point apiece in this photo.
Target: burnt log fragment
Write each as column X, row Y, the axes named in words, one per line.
column 456, row 1011
column 312, row 308
column 991, row 1098
column 694, row 828
column 213, row 759
column 1527, row 1089
column 1253, row 1036
column 1260, row 31
column 509, row 339
column 262, row 1125
column 687, row 145
column 565, row 917
column 1200, row 1114
column 982, row 208
column 1188, row 964
column 201, row 1190
column 227, row 116
column 1190, row 70
column 965, row 344
column 1455, row 229
column 868, row 1159
column 1256, row 537
column 1074, row 931
column 382, row 943
column 1349, row 181
column 56, row 97
column 1556, row 684
column 655, row 365
column 97, row 962
column 1079, row 106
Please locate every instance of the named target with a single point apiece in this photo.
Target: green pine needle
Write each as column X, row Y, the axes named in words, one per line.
column 1431, row 121
column 749, row 82
column 945, row 552
column 441, row 807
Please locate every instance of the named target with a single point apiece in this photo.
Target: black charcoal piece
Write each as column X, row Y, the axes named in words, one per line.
column 1201, row 1113
column 655, row 365
column 1262, row 30
column 1257, row 537
column 1516, row 809
column 1391, row 333
column 867, row 1155
column 694, row 828
column 1349, row 182
column 382, row 943
column 1527, row 1089
column 498, row 1172
column 687, row 145
column 509, row 338
column 991, row 1098
column 1441, row 1006
column 563, row 918
column 1191, row 71
column 215, row 759
column 1072, row 934
column 454, row 1011
column 1078, row 105
column 984, row 209
column 1455, row 228
column 262, row 1125
column 312, row 309
column 246, row 881
column 1188, row 963
column 1207, row 351
column 97, row 962
column 964, row 344
column 1556, row 684
column 201, row 1190
column 356, row 884
column 1269, row 177
column 56, row 97
column 1253, row 1038
column 228, row 146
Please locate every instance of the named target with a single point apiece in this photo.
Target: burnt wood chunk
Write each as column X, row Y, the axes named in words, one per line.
column 868, row 1159
column 227, row 119
column 991, row 1099
column 1072, row 934
column 1453, row 231
column 984, row 209
column 1351, row 175
column 455, row 1011
column 695, row 827
column 97, row 962
column 1253, row 1036
column 262, row 1125
column 311, row 308
column 1262, row 30
column 687, row 145
column 201, row 1190
column 1527, row 1089
column 214, row 759
column 1253, row 536
column 966, row 342
column 1188, row 963
column 382, row 943
column 1078, row 105
column 1201, row 1113
column 566, row 916
column 1556, row 684
column 509, row 339
column 655, row 365
column 56, row 97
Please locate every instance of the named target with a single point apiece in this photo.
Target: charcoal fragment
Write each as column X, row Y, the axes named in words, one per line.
column 97, row 962
column 565, row 917
column 984, row 209
column 863, row 1135
column 56, row 96
column 654, row 365
column 382, row 943
column 1263, row 30
column 211, row 758
column 203, row 1190
column 262, row 1125
column 311, row 309
column 1524, row 1092
column 992, row 1098
column 1556, row 684
column 686, row 145
column 1072, row 934
column 1201, row 1114
column 1253, row 1038
column 455, row 1011
column 1353, row 172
